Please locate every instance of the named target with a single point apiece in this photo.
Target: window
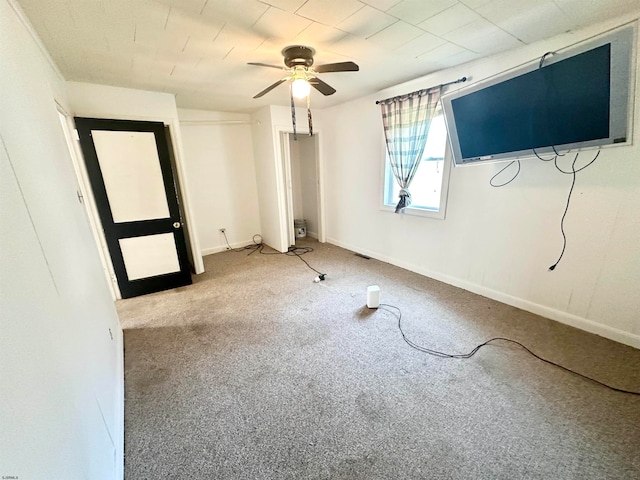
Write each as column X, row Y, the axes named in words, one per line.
column 429, row 186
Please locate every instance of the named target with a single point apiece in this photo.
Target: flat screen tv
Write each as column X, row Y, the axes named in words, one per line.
column 576, row 98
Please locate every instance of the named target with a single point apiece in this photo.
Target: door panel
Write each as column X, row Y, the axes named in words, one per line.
column 131, row 173
column 149, row 255
column 133, row 185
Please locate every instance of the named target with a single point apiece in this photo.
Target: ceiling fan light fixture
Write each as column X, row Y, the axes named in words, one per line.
column 300, row 88
column 302, row 75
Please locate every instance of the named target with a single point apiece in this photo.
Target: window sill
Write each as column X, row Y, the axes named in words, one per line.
column 415, row 211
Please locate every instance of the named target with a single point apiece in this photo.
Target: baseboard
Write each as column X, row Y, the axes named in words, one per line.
column 225, row 247
column 563, row 317
column 119, row 433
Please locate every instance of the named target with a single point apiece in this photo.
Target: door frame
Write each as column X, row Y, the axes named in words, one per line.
column 288, row 187
column 284, row 186
column 193, row 244
column 85, row 196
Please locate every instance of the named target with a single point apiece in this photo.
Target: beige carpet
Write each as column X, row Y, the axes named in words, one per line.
column 257, row 372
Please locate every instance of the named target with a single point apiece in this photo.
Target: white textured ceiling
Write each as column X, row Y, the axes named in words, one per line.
column 198, row 49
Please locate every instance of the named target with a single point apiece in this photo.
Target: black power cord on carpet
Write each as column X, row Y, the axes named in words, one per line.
column 470, row 354
column 258, row 246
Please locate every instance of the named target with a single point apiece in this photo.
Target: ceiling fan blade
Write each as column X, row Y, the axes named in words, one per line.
column 322, row 87
column 337, row 67
column 258, row 64
column 270, row 87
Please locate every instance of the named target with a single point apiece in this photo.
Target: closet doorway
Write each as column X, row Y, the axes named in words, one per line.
column 302, row 179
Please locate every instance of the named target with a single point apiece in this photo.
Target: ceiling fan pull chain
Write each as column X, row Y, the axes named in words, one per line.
column 309, row 115
column 293, row 115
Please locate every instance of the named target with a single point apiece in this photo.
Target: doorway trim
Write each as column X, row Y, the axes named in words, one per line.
column 283, row 182
column 85, row 196
column 193, row 245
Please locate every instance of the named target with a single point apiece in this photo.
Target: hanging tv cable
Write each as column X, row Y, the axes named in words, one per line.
column 573, row 173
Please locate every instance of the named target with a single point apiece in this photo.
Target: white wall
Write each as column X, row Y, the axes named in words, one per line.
column 267, row 172
column 102, row 101
column 218, row 150
column 500, row 242
column 60, row 369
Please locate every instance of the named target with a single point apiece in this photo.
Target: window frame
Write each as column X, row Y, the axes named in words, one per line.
column 439, row 214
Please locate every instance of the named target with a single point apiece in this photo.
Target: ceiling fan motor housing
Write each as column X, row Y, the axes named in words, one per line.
column 298, row 55
column 299, row 61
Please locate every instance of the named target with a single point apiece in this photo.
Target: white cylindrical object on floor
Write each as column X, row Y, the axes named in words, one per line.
column 373, row 296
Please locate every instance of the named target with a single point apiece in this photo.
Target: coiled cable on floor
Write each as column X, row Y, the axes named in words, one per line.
column 258, row 246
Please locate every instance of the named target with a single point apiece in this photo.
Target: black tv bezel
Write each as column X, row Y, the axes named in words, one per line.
column 621, row 100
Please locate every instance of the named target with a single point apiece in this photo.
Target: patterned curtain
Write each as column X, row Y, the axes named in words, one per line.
column 406, row 123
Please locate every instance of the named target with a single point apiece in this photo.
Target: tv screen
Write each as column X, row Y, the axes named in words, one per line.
column 578, row 98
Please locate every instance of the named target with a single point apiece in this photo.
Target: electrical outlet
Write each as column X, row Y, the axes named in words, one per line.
column 222, row 230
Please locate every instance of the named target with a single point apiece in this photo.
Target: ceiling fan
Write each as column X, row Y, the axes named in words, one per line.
column 302, row 74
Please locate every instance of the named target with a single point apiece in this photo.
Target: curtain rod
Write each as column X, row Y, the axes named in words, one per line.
column 460, row 80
